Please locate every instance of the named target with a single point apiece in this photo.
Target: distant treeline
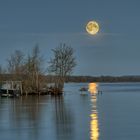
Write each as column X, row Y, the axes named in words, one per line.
column 103, row 79
column 76, row 79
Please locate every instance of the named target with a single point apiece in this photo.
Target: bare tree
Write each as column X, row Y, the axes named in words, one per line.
column 16, row 63
column 34, row 70
column 62, row 64
column 31, row 69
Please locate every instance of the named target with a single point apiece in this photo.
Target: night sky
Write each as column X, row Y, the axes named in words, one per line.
column 115, row 50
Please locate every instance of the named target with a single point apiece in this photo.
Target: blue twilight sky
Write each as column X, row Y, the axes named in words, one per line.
column 115, row 50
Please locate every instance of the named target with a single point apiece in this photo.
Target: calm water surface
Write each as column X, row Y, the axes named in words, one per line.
column 112, row 115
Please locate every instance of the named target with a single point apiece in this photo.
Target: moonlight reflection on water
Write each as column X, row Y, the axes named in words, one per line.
column 94, row 128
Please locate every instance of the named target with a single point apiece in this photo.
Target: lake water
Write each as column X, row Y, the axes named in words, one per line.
column 114, row 114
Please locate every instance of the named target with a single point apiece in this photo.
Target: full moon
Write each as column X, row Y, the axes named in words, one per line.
column 92, row 27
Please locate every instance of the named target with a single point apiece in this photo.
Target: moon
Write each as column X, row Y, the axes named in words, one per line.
column 92, row 27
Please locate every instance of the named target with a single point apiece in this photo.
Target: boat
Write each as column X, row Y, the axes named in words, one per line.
column 83, row 89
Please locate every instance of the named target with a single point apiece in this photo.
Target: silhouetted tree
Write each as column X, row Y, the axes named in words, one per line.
column 62, row 64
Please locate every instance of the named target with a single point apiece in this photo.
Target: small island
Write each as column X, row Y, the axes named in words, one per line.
column 26, row 75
